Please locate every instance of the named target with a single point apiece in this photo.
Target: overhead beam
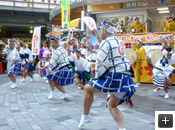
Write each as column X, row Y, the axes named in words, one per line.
column 21, row 24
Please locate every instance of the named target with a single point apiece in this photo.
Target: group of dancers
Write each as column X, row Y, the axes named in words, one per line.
column 108, row 61
column 112, row 73
column 20, row 58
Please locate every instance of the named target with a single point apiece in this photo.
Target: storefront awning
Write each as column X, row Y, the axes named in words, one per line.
column 75, row 23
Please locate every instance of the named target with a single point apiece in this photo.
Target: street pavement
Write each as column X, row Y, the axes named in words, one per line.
column 27, row 108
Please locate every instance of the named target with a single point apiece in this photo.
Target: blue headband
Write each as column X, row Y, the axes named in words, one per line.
column 77, row 50
column 170, row 53
column 56, row 39
column 109, row 28
column 12, row 41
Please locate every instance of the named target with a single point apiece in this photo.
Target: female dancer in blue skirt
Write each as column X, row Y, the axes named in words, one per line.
column 15, row 62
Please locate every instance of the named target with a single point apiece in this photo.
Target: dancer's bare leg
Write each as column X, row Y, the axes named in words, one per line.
column 30, row 74
column 59, row 87
column 115, row 112
column 166, row 85
column 88, row 98
column 13, row 78
column 52, row 85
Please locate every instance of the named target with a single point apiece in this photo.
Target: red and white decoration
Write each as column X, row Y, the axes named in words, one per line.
column 36, row 40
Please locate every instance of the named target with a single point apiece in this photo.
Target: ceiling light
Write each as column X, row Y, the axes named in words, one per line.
column 162, row 12
column 165, row 8
column 31, row 31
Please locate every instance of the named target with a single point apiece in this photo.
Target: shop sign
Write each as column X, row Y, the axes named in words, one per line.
column 147, row 38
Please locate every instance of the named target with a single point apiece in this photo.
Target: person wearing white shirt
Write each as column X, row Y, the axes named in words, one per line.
column 81, row 67
column 84, row 51
column 89, row 54
column 60, row 74
column 26, row 55
column 93, row 58
column 161, row 72
column 15, row 63
column 94, row 53
column 65, row 49
column 79, row 46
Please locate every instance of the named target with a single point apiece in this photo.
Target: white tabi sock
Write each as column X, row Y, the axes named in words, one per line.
column 14, row 83
column 85, row 116
column 122, row 129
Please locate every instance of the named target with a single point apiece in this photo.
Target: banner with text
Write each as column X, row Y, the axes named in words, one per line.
column 147, row 38
column 65, row 10
column 36, row 40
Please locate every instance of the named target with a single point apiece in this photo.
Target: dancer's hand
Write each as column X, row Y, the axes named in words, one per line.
column 94, row 32
column 42, row 68
column 11, row 60
column 89, row 67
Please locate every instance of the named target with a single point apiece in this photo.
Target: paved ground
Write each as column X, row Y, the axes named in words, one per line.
column 27, row 108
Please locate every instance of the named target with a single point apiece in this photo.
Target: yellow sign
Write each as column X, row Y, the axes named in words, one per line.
column 146, row 74
column 133, row 4
column 65, row 11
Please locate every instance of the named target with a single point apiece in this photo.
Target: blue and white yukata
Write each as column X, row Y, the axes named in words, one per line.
column 15, row 66
column 113, row 70
column 81, row 66
column 26, row 55
column 162, row 70
column 59, row 65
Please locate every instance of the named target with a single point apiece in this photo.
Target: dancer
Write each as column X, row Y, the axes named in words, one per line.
column 81, row 67
column 162, row 71
column 112, row 75
column 26, row 54
column 79, row 46
column 165, row 45
column 94, row 53
column 61, row 74
column 15, row 62
column 84, row 51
